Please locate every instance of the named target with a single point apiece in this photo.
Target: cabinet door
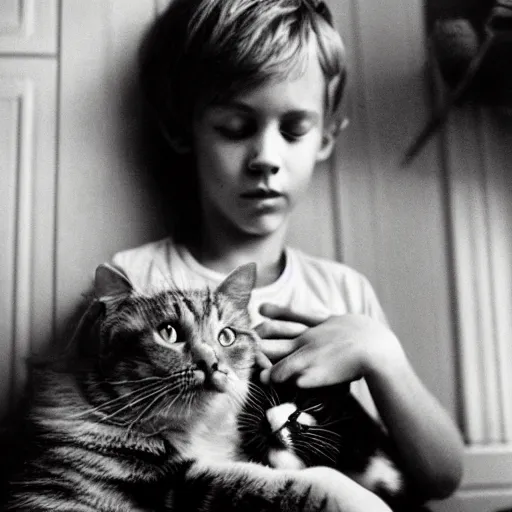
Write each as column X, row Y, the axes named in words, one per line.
column 27, row 205
column 28, row 27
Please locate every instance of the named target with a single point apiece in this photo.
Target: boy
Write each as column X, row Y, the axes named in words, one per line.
column 247, row 93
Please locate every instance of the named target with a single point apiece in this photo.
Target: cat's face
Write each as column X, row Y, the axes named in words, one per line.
column 288, row 428
column 174, row 350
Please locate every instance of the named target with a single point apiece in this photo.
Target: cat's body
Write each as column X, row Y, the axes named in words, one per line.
column 290, row 428
column 143, row 415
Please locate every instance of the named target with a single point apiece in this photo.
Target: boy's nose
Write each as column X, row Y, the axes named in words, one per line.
column 265, row 158
column 261, row 167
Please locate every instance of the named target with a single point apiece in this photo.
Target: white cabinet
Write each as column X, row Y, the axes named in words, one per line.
column 28, row 93
column 29, row 27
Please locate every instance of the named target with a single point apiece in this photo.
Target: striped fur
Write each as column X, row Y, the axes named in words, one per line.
column 135, row 420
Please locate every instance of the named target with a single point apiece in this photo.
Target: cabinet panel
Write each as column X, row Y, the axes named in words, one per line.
column 28, row 26
column 27, row 167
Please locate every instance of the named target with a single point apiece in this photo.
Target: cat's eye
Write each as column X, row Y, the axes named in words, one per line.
column 227, row 337
column 167, row 332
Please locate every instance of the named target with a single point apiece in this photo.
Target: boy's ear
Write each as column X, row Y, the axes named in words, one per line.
column 111, row 283
column 327, row 144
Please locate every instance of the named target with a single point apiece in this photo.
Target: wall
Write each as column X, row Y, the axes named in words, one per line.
column 434, row 237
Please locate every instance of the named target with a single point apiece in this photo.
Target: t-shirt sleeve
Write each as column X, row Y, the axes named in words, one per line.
column 369, row 305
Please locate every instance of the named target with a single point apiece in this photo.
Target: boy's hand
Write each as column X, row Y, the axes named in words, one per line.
column 279, row 333
column 338, row 349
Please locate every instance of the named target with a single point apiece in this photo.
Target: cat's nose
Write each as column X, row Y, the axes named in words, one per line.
column 207, row 368
column 207, row 361
column 205, row 357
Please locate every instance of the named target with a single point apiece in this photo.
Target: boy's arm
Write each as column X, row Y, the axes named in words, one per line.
column 429, row 444
column 347, row 347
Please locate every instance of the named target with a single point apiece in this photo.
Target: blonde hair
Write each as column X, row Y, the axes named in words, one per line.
column 204, row 51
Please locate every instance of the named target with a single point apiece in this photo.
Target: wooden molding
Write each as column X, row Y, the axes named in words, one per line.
column 29, row 27
column 28, row 94
column 20, row 94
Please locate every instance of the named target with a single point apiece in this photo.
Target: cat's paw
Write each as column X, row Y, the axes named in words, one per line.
column 336, row 492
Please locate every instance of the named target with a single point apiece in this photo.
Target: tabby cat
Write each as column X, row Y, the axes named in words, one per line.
column 142, row 415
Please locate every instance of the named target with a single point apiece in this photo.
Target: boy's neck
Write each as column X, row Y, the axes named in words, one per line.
column 224, row 253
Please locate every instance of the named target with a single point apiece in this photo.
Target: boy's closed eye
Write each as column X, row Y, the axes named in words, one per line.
column 296, row 125
column 241, row 125
column 236, row 127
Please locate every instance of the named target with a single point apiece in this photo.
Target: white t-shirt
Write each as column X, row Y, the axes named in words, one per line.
column 308, row 284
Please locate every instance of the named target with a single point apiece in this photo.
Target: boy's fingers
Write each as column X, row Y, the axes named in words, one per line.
column 292, row 365
column 277, row 349
column 315, row 377
column 265, row 376
column 280, row 329
column 309, row 319
column 262, row 360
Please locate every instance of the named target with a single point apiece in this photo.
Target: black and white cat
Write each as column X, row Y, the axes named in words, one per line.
column 291, row 428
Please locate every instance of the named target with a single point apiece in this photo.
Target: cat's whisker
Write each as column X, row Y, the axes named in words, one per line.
column 131, row 405
column 255, row 405
column 237, row 399
column 109, row 403
column 251, row 413
column 321, row 437
column 156, row 432
column 258, row 389
column 303, row 453
column 326, row 433
column 135, row 381
column 250, row 419
column 258, row 446
column 315, row 448
column 150, row 391
column 327, row 451
column 147, row 408
column 274, row 397
column 258, row 399
column 191, row 399
column 313, row 408
column 175, row 399
column 259, row 394
column 330, row 423
column 261, row 446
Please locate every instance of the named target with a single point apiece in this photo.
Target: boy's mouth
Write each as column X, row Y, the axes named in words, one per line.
column 261, row 193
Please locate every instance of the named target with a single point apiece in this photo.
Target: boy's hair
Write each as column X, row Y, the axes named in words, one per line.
column 204, row 51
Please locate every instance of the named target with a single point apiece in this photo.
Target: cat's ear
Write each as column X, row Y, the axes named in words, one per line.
column 111, row 282
column 239, row 284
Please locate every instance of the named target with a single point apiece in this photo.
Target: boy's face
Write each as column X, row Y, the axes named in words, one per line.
column 255, row 154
